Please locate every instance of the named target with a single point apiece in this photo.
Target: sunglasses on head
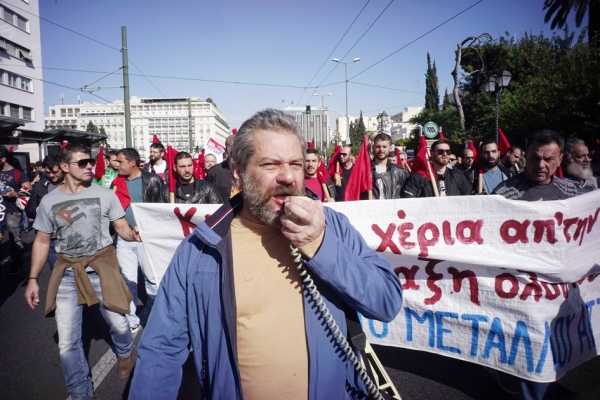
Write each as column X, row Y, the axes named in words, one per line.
column 441, row 152
column 83, row 163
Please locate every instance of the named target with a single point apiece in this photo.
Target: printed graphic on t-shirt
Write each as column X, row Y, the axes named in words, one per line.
column 77, row 226
column 442, row 182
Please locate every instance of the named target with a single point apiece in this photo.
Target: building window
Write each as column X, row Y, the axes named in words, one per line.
column 12, row 79
column 15, row 19
column 14, row 111
column 27, row 113
column 26, row 84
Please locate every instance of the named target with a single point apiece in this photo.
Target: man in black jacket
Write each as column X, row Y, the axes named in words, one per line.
column 388, row 178
column 450, row 182
column 133, row 185
column 220, row 174
column 188, row 189
column 50, row 180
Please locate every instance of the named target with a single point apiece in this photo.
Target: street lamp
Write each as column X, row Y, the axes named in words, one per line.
column 382, row 119
column 322, row 102
column 337, row 60
column 495, row 84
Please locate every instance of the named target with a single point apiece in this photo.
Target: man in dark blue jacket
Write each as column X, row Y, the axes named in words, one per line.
column 234, row 293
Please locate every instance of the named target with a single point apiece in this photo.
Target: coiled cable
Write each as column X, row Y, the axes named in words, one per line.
column 338, row 336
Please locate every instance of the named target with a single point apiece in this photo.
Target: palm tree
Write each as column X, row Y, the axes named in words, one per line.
column 560, row 9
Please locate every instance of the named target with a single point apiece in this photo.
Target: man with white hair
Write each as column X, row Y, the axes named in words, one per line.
column 577, row 167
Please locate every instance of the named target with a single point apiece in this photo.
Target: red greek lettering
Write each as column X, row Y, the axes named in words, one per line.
column 552, row 290
column 559, row 218
column 532, row 287
column 186, row 225
column 520, row 229
column 432, row 278
column 541, row 226
column 424, row 243
column 580, row 232
column 404, row 233
column 457, row 278
column 386, row 238
column 499, row 286
column 592, row 220
column 447, row 233
column 568, row 223
column 409, row 275
column 474, row 228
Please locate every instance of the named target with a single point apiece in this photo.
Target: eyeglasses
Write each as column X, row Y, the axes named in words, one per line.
column 453, row 159
column 81, row 164
column 441, row 152
column 343, row 154
column 469, row 158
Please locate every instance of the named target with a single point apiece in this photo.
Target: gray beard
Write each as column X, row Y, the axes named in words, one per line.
column 577, row 172
column 258, row 200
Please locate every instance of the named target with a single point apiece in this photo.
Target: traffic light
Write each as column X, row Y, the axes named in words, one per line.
column 308, row 109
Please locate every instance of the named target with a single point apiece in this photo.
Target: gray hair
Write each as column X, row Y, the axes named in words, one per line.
column 569, row 144
column 268, row 120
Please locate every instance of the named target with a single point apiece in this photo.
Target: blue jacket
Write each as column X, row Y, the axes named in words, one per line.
column 196, row 304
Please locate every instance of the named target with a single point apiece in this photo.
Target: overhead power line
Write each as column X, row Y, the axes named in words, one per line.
column 411, row 42
column 336, row 46
column 388, row 88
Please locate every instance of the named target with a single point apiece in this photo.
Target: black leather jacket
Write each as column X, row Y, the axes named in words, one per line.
column 151, row 186
column 398, row 178
column 204, row 193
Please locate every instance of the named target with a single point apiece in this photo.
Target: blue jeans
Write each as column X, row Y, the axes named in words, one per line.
column 68, row 322
column 130, row 256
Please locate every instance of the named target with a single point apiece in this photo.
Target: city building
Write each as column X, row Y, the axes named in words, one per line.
column 315, row 126
column 371, row 125
column 21, row 89
column 401, row 128
column 171, row 119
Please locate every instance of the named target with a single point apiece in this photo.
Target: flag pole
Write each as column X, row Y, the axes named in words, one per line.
column 338, row 177
column 405, row 165
column 432, row 177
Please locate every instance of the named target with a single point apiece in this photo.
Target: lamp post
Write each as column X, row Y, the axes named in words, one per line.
column 321, row 96
column 382, row 119
column 496, row 85
column 337, row 60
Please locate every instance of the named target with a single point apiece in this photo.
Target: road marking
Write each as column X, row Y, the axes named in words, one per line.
column 104, row 365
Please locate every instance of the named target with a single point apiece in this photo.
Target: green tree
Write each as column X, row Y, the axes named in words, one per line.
column 357, row 133
column 102, row 131
column 91, row 127
column 558, row 11
column 446, row 101
column 432, row 97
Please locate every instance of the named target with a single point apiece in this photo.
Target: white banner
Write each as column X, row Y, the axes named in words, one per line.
column 506, row 284
column 214, row 147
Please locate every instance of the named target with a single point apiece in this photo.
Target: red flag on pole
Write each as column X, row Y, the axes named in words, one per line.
column 64, row 144
column 476, row 163
column 397, row 151
column 361, row 179
column 100, row 164
column 155, row 139
column 170, row 158
column 310, row 145
column 503, row 144
column 441, row 134
column 420, row 162
column 333, row 161
column 199, row 171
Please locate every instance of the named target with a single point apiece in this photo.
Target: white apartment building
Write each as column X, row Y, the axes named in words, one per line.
column 401, row 128
column 169, row 119
column 21, row 91
column 315, row 126
column 371, row 125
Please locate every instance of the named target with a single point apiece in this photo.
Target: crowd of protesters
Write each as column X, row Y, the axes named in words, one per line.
column 550, row 168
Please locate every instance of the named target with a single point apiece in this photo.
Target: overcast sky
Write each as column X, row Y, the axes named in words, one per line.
column 272, row 49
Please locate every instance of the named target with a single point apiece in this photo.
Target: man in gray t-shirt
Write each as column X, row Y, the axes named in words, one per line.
column 87, row 271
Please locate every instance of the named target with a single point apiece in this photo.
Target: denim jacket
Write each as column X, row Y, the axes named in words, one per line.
column 197, row 292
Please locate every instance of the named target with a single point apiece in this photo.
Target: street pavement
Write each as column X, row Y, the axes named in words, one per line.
column 30, row 365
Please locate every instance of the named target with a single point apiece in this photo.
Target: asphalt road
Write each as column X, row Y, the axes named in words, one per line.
column 30, row 365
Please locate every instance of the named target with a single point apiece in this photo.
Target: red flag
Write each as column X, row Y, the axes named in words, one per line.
column 64, row 144
column 199, row 171
column 420, row 163
column 310, row 145
column 100, row 165
column 10, row 149
column 503, row 144
column 397, row 151
column 476, row 164
column 441, row 134
column 361, row 179
column 155, row 139
column 559, row 172
column 335, row 158
column 170, row 158
column 233, row 131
